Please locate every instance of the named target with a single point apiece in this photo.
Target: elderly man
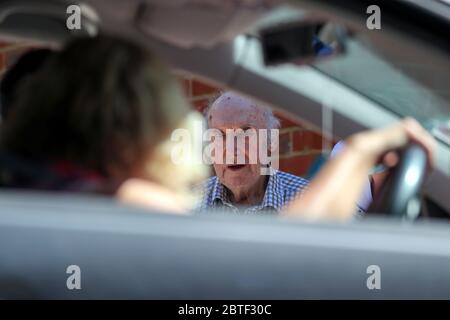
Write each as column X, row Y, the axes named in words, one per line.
column 243, row 186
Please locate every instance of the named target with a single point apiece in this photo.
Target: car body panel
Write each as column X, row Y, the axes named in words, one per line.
column 126, row 253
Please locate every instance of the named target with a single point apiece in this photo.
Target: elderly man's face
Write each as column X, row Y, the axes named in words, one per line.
column 231, row 111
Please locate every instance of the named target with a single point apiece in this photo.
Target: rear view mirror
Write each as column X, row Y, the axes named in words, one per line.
column 302, row 42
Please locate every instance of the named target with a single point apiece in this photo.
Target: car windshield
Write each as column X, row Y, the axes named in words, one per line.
column 387, row 82
column 404, row 82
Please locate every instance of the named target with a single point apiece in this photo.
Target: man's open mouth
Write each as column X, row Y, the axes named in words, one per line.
column 235, row 167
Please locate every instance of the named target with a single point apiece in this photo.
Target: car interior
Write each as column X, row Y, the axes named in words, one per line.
column 371, row 79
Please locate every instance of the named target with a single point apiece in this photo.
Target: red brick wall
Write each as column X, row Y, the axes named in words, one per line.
column 299, row 145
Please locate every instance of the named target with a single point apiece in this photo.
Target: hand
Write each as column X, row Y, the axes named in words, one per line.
column 380, row 145
column 337, row 187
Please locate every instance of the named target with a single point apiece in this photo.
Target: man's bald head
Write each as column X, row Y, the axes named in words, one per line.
column 236, row 109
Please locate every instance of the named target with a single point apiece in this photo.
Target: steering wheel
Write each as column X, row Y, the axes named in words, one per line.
column 402, row 184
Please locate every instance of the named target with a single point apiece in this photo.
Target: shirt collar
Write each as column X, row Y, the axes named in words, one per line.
column 273, row 196
column 219, row 192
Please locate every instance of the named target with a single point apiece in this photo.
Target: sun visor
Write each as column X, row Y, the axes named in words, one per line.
column 199, row 23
